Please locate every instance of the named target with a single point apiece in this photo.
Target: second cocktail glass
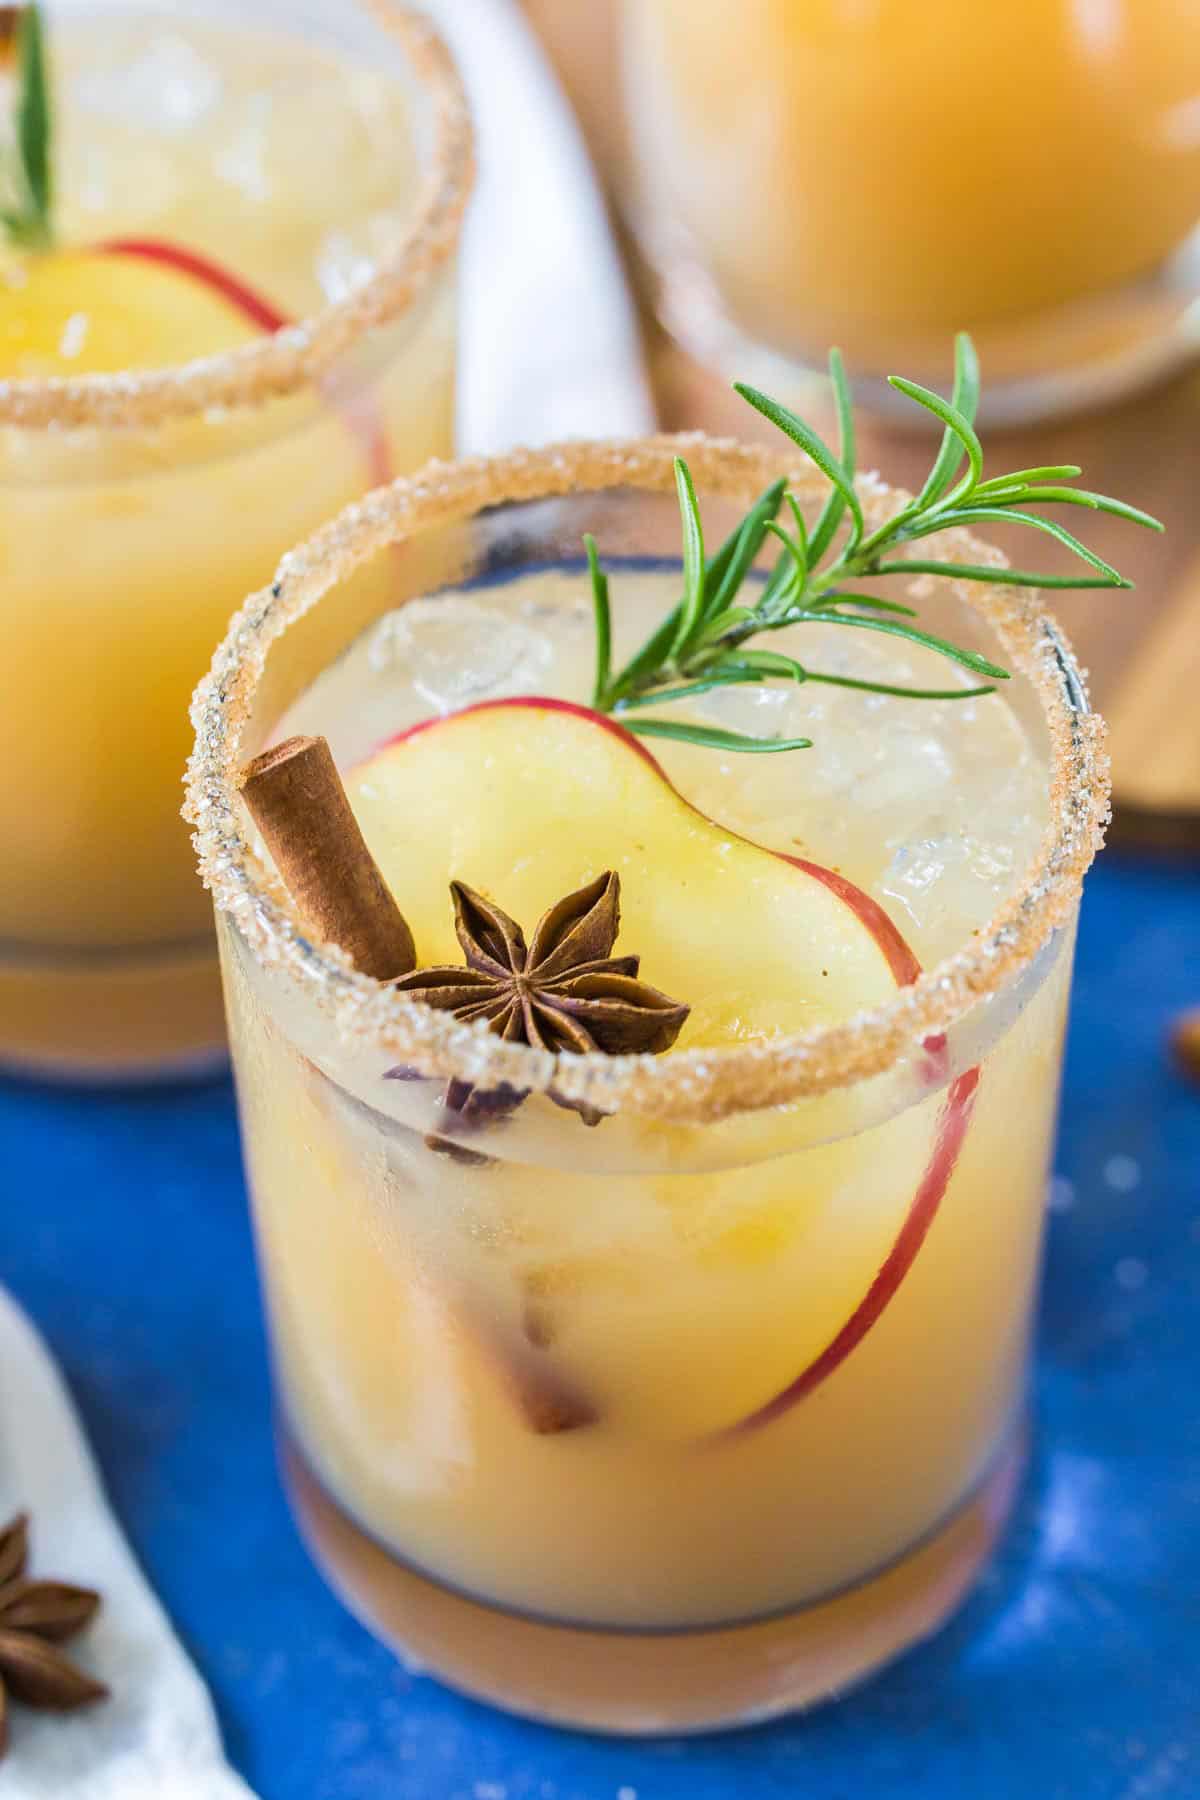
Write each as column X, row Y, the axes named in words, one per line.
column 245, row 316
column 806, row 172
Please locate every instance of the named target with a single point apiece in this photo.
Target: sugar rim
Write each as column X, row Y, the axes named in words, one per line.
column 687, row 1085
column 298, row 355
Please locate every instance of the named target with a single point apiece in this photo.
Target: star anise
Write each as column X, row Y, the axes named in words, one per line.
column 35, row 1618
column 562, row 991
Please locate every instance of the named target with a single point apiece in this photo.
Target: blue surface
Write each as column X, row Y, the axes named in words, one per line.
column 1074, row 1674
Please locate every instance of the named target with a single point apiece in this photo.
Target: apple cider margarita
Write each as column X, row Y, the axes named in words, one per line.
column 647, row 1046
column 227, row 241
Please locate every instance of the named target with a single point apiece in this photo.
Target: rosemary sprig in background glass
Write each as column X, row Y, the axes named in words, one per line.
column 702, row 643
column 28, row 186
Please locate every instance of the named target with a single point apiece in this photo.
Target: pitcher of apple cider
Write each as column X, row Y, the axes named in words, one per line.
column 881, row 175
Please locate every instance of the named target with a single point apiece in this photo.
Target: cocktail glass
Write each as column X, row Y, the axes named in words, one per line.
column 699, row 1415
column 248, row 319
column 808, row 173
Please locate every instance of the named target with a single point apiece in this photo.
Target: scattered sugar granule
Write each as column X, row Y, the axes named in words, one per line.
column 1122, row 1174
column 1061, row 1197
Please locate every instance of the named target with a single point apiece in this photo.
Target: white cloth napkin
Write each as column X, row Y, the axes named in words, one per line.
column 156, row 1738
column 549, row 349
column 549, row 342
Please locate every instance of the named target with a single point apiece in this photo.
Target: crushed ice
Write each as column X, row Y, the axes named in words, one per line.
column 169, row 88
column 456, row 652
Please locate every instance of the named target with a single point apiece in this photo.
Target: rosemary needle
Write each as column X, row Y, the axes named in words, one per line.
column 27, row 193
column 817, row 577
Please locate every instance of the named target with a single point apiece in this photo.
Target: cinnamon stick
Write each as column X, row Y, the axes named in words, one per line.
column 296, row 798
column 1185, row 1043
column 548, row 1399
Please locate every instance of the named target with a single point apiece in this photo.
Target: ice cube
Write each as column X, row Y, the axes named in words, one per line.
column 244, row 159
column 108, row 183
column 169, row 88
column 762, row 709
column 904, row 772
column 456, row 652
column 917, row 866
column 948, row 879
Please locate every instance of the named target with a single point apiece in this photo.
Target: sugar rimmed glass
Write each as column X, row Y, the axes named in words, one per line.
column 137, row 508
column 659, row 1569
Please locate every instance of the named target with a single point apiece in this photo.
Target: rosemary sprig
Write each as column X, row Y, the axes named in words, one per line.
column 29, row 180
column 702, row 644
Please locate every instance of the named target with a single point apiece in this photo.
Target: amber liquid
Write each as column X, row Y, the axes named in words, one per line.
column 686, row 1561
column 875, row 175
column 646, row 1682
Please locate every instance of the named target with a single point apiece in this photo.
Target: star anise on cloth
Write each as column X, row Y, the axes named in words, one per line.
column 35, row 1618
column 562, row 991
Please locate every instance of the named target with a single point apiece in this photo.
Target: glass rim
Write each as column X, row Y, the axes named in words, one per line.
column 297, row 355
column 696, row 1085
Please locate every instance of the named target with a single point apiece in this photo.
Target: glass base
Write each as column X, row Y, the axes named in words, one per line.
column 1086, row 355
column 112, row 1019
column 647, row 1683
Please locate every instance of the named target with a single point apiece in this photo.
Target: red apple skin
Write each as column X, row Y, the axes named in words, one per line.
column 360, row 415
column 240, row 295
column 952, row 1126
column 900, row 958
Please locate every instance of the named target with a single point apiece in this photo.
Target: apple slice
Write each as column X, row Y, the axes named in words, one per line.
column 148, row 303
column 699, row 1312
column 102, row 311
column 952, row 1126
column 252, row 305
column 359, row 411
column 529, row 798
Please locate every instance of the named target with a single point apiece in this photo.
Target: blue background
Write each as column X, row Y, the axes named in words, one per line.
column 1074, row 1673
